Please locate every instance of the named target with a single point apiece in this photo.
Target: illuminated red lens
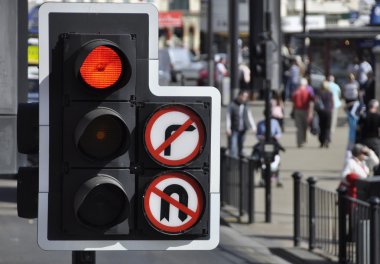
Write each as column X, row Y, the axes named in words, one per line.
column 101, row 68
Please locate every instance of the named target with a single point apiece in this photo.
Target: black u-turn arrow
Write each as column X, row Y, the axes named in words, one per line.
column 183, row 199
column 168, row 133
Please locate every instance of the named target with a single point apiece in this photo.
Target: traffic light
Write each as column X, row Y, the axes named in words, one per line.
column 260, row 60
column 124, row 163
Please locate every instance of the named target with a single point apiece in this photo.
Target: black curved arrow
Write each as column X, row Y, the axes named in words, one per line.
column 168, row 133
column 183, row 199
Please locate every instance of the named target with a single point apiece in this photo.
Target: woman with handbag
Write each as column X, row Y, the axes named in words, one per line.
column 324, row 106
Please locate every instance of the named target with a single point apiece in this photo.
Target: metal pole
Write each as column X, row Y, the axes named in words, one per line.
column 374, row 230
column 268, row 138
column 297, row 176
column 210, row 43
column 304, row 10
column 241, row 186
column 234, row 36
column 251, row 190
column 342, row 208
column 256, row 28
column 312, row 181
column 83, row 257
column 223, row 171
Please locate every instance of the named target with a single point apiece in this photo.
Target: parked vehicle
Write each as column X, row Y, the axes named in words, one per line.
column 184, row 67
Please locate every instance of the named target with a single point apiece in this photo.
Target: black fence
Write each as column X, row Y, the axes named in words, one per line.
column 237, row 184
column 336, row 223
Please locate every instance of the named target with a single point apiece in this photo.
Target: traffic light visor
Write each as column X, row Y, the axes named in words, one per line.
column 102, row 68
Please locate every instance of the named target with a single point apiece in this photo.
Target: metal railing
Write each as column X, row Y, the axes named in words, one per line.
column 237, row 184
column 336, row 223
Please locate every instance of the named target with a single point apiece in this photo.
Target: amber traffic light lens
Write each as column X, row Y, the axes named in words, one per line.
column 101, row 68
column 102, row 135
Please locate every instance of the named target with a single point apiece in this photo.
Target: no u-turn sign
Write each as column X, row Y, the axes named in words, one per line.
column 173, row 202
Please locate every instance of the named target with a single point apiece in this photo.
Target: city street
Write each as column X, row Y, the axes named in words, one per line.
column 240, row 243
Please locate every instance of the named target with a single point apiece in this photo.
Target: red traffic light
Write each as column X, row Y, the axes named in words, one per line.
column 101, row 68
column 102, row 65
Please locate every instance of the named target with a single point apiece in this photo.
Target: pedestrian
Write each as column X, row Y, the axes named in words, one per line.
column 361, row 161
column 324, row 105
column 351, row 96
column 294, row 73
column 369, row 88
column 364, row 69
column 337, row 94
column 369, row 126
column 220, row 73
column 244, row 76
column 278, row 108
column 239, row 119
column 303, row 111
column 258, row 148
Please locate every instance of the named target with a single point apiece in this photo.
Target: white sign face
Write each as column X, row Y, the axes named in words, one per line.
column 174, row 135
column 173, row 202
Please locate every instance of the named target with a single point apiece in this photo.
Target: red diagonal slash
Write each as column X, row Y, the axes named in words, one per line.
column 173, row 137
column 175, row 203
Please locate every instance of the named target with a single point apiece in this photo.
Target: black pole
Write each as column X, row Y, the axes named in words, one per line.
column 241, row 186
column 234, row 36
column 210, row 43
column 342, row 209
column 256, row 28
column 223, row 171
column 312, row 181
column 251, row 190
column 304, row 10
column 268, row 139
column 297, row 176
column 374, row 230
column 83, row 257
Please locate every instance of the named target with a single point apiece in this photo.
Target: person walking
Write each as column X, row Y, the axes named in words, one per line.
column 363, row 70
column 337, row 94
column 324, row 105
column 369, row 126
column 351, row 96
column 369, row 88
column 294, row 73
column 220, row 73
column 239, row 119
column 278, row 108
column 302, row 107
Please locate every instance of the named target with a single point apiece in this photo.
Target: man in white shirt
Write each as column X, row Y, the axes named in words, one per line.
column 361, row 162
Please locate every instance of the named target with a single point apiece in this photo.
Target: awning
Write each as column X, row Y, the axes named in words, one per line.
column 170, row 19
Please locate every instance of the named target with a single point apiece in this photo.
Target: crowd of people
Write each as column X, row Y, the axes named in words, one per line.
column 316, row 109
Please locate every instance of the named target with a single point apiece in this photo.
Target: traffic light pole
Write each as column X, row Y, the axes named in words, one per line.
column 268, row 139
column 83, row 257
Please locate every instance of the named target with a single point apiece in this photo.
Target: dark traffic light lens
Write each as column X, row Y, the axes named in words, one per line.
column 101, row 68
column 101, row 202
column 102, row 135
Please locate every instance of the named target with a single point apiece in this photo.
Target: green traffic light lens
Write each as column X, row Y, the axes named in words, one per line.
column 101, row 202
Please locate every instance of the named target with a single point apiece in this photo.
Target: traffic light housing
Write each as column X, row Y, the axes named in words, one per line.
column 260, row 60
column 124, row 163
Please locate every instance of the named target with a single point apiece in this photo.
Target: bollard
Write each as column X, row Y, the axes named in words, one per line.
column 241, row 186
column 223, row 171
column 297, row 176
column 374, row 229
column 312, row 182
column 251, row 190
column 342, row 208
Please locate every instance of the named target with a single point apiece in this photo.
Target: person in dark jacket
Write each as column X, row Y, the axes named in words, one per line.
column 239, row 119
column 369, row 126
column 324, row 106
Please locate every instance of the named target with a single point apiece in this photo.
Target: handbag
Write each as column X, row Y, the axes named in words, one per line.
column 314, row 125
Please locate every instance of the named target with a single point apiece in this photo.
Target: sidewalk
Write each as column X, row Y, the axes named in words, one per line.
column 323, row 164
